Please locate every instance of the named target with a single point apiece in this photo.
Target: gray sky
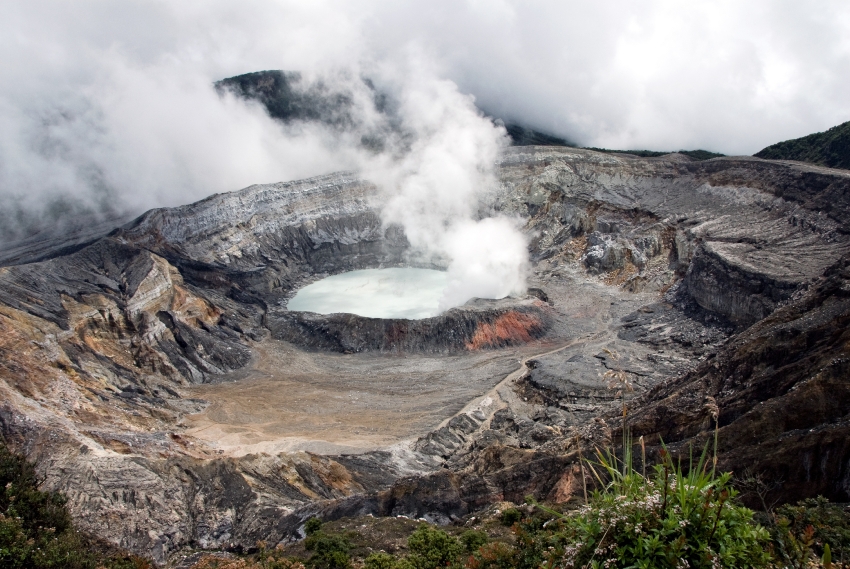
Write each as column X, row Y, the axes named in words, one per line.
column 727, row 76
column 109, row 102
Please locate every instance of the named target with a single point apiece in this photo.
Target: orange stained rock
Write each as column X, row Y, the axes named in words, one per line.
column 510, row 328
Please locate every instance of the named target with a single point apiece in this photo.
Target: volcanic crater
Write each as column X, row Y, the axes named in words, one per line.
column 158, row 379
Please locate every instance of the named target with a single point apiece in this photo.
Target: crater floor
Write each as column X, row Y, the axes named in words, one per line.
column 292, row 399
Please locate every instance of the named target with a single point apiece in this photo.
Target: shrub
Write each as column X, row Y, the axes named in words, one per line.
column 673, row 519
column 36, row 530
column 37, row 549
column 431, row 547
column 472, row 540
column 270, row 562
column 264, row 558
column 830, row 148
column 802, row 532
column 329, row 551
column 21, row 498
column 214, row 562
column 533, row 538
column 496, row 555
column 380, row 560
column 511, row 516
column 312, row 525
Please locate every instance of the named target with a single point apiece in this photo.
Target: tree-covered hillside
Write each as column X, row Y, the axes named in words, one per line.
column 524, row 136
column 830, row 148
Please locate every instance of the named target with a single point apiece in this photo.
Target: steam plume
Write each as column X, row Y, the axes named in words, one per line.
column 434, row 190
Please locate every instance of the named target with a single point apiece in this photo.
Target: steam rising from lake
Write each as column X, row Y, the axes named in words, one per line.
column 437, row 186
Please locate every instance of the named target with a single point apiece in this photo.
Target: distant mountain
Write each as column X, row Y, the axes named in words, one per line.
column 830, row 148
column 287, row 99
column 523, row 136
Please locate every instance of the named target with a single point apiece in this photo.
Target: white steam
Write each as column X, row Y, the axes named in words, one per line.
column 489, row 259
column 436, row 188
column 99, row 121
column 142, row 138
column 107, row 107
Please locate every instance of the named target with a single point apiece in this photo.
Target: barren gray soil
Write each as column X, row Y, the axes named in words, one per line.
column 340, row 403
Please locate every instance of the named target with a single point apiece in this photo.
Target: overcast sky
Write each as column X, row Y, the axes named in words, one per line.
column 110, row 100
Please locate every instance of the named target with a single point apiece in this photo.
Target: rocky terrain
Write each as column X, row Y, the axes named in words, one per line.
column 155, row 375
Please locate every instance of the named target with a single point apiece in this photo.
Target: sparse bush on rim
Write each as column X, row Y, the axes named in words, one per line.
column 328, row 551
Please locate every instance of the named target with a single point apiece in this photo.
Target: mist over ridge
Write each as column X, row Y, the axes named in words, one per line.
column 107, row 110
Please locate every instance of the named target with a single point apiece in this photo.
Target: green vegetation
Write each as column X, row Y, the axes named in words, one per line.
column 511, row 516
column 287, row 99
column 272, row 88
column 695, row 154
column 673, row 518
column 329, row 551
column 641, row 153
column 522, row 136
column 36, row 530
column 312, row 525
column 830, row 148
column 812, row 527
column 670, row 517
column 431, row 547
column 380, row 560
column 263, row 559
column 701, row 154
column 472, row 540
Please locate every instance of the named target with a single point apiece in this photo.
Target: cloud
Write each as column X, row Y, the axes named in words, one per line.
column 108, row 109
column 107, row 106
column 728, row 76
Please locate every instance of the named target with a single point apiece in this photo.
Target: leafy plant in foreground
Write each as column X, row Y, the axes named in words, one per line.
column 329, row 551
column 510, row 516
column 473, row 540
column 380, row 560
column 671, row 519
column 495, row 555
column 431, row 547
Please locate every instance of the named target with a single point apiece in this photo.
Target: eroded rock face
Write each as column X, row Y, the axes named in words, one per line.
column 783, row 396
column 479, row 324
column 722, row 279
column 739, row 220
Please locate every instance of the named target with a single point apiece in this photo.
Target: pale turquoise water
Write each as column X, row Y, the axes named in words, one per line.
column 375, row 293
